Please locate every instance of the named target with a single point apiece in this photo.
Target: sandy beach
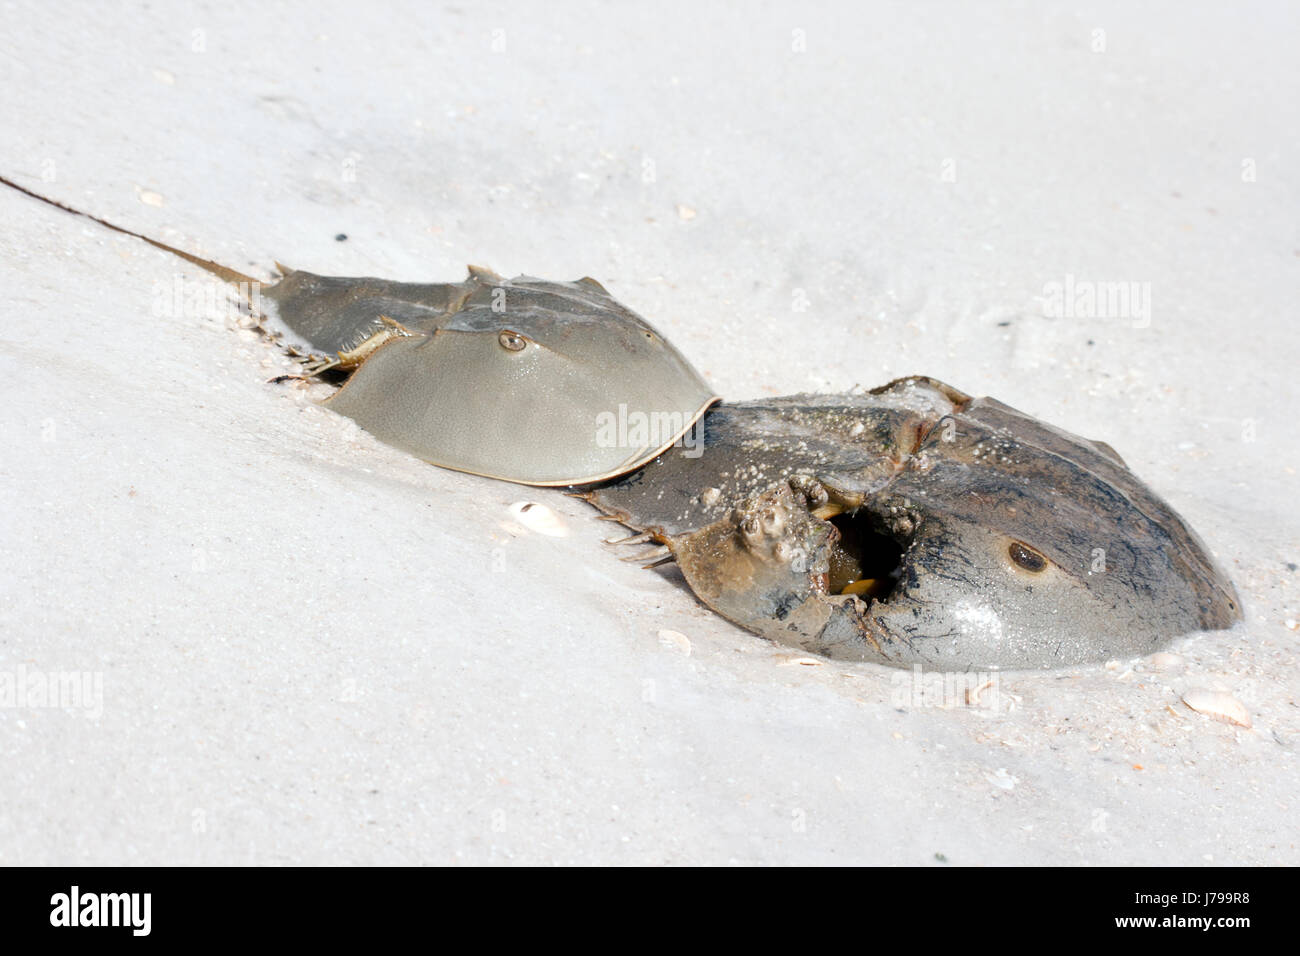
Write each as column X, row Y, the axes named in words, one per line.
column 237, row 629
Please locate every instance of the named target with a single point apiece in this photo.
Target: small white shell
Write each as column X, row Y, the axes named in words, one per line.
column 1002, row 780
column 1217, row 705
column 677, row 640
column 151, row 198
column 539, row 518
column 1165, row 661
column 801, row 662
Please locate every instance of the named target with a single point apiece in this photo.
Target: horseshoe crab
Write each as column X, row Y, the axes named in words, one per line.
column 503, row 378
column 914, row 524
column 507, row 379
column 918, row 525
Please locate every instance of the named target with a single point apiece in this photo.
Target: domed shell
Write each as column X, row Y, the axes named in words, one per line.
column 536, row 382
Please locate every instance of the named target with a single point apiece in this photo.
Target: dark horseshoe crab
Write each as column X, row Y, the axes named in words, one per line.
column 918, row 525
column 910, row 525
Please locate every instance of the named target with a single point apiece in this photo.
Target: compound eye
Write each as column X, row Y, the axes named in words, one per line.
column 1026, row 557
column 512, row 341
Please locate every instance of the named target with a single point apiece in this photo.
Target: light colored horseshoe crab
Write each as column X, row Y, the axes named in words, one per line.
column 511, row 379
column 918, row 525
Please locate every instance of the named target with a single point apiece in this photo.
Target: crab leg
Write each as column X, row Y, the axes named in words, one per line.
column 633, row 538
column 348, row 359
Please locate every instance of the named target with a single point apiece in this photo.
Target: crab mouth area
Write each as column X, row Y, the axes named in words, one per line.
column 864, row 560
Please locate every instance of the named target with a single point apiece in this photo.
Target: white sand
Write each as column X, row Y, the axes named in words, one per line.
column 313, row 648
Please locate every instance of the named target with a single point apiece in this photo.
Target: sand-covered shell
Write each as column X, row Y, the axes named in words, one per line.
column 920, row 525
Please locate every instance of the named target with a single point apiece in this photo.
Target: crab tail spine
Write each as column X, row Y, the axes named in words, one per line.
column 216, row 268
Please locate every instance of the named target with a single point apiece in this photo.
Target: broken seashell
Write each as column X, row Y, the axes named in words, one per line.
column 539, row 518
column 1002, row 780
column 1218, row 705
column 677, row 640
column 1165, row 661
